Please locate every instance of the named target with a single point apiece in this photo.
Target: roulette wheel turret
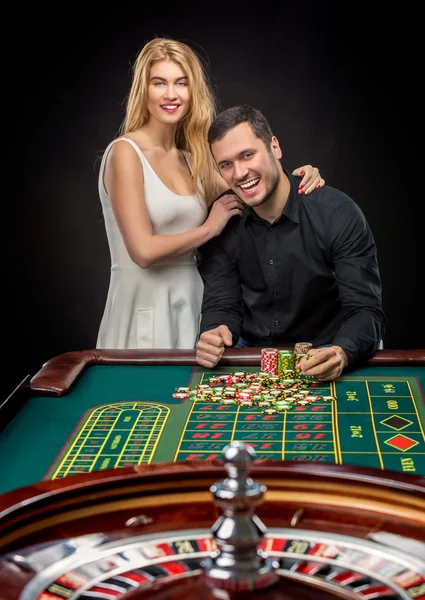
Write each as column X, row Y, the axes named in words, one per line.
column 274, row 531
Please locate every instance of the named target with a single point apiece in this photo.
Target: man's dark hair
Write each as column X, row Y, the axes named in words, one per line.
column 231, row 117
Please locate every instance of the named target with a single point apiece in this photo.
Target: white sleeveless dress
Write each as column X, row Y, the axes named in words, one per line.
column 157, row 307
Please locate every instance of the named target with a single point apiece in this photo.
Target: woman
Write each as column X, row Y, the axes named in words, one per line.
column 156, row 184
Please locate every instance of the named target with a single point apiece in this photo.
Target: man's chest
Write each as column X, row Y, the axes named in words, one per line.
column 269, row 256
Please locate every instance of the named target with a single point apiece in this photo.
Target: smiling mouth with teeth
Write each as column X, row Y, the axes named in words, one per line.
column 170, row 107
column 250, row 185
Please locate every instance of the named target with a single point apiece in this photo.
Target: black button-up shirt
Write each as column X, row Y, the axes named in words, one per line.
column 312, row 275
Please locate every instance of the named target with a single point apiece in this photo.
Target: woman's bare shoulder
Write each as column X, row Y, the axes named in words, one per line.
column 123, row 146
column 123, row 157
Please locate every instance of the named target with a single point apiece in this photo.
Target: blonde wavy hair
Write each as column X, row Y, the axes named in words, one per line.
column 192, row 130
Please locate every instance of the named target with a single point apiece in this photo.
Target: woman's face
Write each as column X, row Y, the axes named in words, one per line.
column 168, row 92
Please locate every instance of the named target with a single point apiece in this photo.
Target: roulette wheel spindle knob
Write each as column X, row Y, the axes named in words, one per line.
column 238, row 563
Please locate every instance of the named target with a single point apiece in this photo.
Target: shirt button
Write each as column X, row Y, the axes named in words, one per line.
column 275, row 294
column 271, row 261
column 276, row 323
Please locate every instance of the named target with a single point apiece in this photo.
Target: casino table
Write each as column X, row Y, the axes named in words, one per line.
column 93, row 410
column 110, row 492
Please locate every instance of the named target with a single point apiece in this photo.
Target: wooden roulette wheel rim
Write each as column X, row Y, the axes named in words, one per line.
column 152, row 500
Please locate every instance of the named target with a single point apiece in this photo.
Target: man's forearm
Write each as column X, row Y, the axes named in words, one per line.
column 360, row 334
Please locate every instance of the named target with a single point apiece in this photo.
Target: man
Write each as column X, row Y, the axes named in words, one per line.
column 289, row 269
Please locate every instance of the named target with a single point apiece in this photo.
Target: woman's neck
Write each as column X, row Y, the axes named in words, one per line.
column 159, row 135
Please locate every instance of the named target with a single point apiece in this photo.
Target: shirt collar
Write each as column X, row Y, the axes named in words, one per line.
column 291, row 209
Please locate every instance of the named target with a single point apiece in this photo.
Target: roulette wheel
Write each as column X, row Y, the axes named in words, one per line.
column 207, row 530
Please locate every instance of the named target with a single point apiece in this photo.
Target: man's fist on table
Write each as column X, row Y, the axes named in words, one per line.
column 211, row 345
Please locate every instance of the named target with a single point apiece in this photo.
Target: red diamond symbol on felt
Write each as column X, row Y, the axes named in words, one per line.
column 401, row 442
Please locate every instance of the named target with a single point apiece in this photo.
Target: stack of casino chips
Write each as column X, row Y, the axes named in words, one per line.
column 270, row 392
column 275, row 361
column 269, row 361
column 285, row 360
column 302, row 347
column 301, row 350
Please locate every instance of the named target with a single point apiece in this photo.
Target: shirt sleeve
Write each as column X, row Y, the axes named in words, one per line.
column 356, row 270
column 221, row 303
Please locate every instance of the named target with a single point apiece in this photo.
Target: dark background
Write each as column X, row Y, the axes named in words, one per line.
column 337, row 81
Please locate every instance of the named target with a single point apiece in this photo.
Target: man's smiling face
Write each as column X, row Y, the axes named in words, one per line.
column 250, row 169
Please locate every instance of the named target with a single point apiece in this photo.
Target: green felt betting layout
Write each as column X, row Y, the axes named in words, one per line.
column 119, row 415
column 380, row 420
column 376, row 421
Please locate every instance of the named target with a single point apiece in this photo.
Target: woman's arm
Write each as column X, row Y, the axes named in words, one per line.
column 124, row 182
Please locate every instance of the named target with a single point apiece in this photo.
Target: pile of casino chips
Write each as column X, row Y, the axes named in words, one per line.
column 275, row 361
column 278, row 387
